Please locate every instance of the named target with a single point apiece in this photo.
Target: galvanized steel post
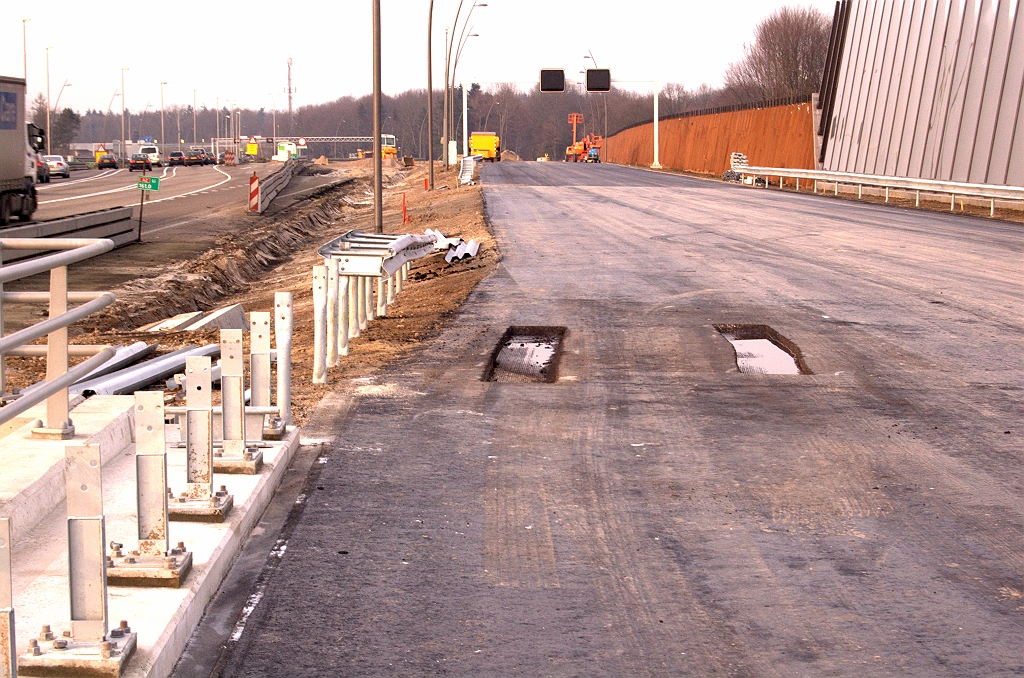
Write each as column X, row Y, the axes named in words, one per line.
column 353, row 305
column 392, row 288
column 656, row 164
column 259, row 358
column 368, row 282
column 283, row 340
column 360, row 284
column 332, row 312
column 382, row 297
column 87, row 562
column 8, row 644
column 198, row 428
column 57, row 356
column 232, row 393
column 319, row 324
column 151, row 473
column 343, row 315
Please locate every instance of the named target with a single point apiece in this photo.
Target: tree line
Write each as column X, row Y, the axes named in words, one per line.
column 784, row 60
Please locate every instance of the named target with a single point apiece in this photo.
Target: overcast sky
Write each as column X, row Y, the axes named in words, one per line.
column 236, row 51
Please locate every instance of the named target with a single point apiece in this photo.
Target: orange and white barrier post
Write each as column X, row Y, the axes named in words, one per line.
column 254, row 193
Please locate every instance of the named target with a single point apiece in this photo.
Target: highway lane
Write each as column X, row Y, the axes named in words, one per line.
column 655, row 512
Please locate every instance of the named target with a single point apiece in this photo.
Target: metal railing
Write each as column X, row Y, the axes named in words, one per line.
column 270, row 187
column 990, row 192
column 58, row 377
column 467, row 169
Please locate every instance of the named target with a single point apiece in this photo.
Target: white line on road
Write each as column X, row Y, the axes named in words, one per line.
column 106, row 173
column 198, row 190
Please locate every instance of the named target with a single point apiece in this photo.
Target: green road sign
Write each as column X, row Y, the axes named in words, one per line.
column 149, row 183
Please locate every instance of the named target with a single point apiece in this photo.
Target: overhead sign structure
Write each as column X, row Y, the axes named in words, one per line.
column 599, row 80
column 149, row 183
column 552, row 80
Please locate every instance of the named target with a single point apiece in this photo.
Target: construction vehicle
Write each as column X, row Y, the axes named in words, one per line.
column 486, row 144
column 388, row 148
column 587, row 149
column 20, row 144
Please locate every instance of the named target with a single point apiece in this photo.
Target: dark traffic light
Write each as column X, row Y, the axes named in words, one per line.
column 552, row 80
column 599, row 80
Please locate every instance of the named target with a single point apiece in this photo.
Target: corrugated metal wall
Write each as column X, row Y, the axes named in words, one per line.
column 776, row 136
column 931, row 89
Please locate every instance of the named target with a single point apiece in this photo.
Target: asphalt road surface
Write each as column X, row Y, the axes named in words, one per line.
column 655, row 512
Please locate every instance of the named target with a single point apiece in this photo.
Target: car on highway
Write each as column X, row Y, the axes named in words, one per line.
column 208, row 158
column 175, row 158
column 107, row 160
column 220, row 158
column 192, row 157
column 58, row 165
column 42, row 170
column 154, row 155
column 139, row 161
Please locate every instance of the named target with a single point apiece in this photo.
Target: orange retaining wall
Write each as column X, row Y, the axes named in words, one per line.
column 779, row 136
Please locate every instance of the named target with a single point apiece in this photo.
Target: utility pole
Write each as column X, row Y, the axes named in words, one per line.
column 291, row 127
column 48, row 135
column 430, row 102
column 195, row 138
column 163, row 138
column 378, row 193
column 24, row 47
column 124, row 105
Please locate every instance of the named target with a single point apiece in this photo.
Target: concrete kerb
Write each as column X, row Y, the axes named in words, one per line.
column 32, row 478
column 164, row 618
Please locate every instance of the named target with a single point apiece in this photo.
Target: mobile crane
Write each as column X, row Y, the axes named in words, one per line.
column 587, row 149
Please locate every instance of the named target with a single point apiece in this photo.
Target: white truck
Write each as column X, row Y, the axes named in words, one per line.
column 17, row 156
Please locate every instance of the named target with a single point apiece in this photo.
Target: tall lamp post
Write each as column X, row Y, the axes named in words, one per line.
column 449, row 77
column 378, row 197
column 24, row 48
column 430, row 101
column 48, row 100
column 195, row 138
column 124, row 105
column 163, row 138
column 604, row 96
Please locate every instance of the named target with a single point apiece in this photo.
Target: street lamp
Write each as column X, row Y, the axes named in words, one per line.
column 430, row 101
column 194, row 137
column 449, row 78
column 465, row 95
column 273, row 103
column 604, row 96
column 48, row 100
column 124, row 105
column 488, row 116
column 24, row 48
column 163, row 138
column 56, row 104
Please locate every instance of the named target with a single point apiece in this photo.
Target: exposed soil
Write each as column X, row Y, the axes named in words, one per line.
column 251, row 264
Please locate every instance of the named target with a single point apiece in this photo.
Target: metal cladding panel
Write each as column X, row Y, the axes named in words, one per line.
column 1010, row 107
column 995, row 80
column 884, row 117
column 931, row 89
column 881, row 71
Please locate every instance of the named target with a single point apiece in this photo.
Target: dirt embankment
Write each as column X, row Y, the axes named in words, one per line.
column 250, row 265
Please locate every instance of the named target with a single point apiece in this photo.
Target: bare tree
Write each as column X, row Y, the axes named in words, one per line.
column 786, row 58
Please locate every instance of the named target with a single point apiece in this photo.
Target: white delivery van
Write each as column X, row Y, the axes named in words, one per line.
column 154, row 155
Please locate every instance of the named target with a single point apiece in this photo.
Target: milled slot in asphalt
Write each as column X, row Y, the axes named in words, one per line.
column 526, row 355
column 762, row 350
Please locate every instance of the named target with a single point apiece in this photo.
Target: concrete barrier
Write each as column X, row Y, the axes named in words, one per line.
column 115, row 223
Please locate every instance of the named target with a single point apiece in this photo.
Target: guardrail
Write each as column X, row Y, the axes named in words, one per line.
column 467, row 169
column 112, row 224
column 58, row 377
column 990, row 192
column 269, row 188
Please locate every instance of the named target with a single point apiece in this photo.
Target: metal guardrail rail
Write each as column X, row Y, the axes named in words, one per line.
column 467, row 169
column 270, row 187
column 58, row 377
column 990, row 192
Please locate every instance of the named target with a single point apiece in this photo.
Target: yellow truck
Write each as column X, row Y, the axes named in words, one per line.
column 486, row 144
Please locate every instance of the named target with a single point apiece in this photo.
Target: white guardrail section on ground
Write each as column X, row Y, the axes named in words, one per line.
column 270, row 187
column 954, row 189
column 58, row 376
column 467, row 169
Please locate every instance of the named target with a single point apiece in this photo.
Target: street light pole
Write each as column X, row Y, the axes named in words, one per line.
column 163, row 138
column 195, row 138
column 604, row 96
column 48, row 100
column 24, row 48
column 378, row 193
column 430, row 102
column 124, row 105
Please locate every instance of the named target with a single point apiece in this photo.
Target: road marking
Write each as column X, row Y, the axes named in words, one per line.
column 106, row 173
column 129, row 187
column 198, row 190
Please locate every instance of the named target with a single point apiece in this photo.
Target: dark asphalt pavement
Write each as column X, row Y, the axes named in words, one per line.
column 655, row 512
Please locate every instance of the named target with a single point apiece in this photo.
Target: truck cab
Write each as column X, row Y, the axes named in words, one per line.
column 20, row 142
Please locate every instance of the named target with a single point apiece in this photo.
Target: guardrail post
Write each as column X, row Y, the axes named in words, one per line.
column 392, row 288
column 332, row 312
column 354, row 299
column 283, row 321
column 343, row 314
column 368, row 284
column 382, row 297
column 151, row 473
column 319, row 324
column 405, row 270
column 58, row 426
column 399, row 279
column 87, row 563
column 8, row 645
